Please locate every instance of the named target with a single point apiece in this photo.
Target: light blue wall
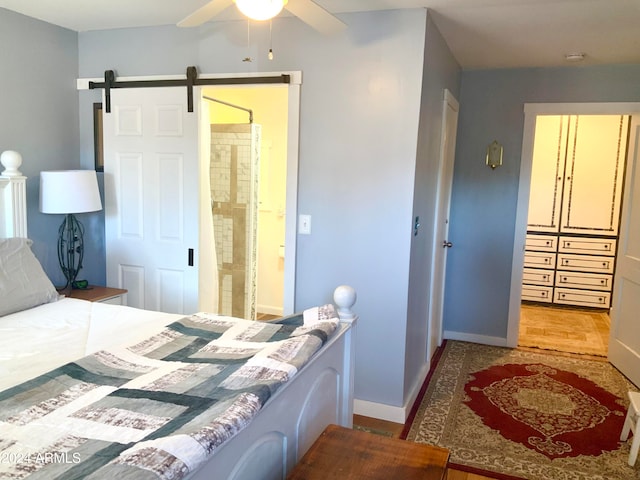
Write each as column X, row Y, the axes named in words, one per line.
column 440, row 71
column 359, row 118
column 484, row 201
column 39, row 119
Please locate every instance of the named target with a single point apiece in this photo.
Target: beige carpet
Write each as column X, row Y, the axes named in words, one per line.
column 555, row 400
column 565, row 330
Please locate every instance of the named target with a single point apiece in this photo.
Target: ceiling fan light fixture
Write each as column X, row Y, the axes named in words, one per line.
column 260, row 9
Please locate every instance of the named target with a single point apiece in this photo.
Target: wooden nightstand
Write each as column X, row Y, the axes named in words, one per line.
column 94, row 293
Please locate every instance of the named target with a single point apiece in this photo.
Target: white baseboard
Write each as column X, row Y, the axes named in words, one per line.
column 471, row 337
column 379, row 410
column 391, row 413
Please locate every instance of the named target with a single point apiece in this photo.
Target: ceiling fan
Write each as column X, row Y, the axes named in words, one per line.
column 306, row 10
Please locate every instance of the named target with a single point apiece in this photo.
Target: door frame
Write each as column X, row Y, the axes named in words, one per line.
column 531, row 110
column 439, row 266
column 293, row 135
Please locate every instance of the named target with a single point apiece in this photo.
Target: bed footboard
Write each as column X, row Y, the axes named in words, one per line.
column 320, row 394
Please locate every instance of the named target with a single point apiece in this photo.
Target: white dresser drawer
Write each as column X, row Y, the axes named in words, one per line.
column 537, row 276
column 590, row 246
column 593, row 281
column 585, row 298
column 544, row 243
column 585, row 263
column 535, row 293
column 539, row 260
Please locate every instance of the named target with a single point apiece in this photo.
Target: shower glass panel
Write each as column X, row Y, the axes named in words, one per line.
column 235, row 160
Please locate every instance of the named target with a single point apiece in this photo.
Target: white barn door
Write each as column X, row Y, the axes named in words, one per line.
column 624, row 342
column 151, row 197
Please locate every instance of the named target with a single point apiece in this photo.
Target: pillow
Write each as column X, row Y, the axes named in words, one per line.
column 23, row 283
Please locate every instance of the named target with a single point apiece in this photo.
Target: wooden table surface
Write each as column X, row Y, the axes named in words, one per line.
column 343, row 453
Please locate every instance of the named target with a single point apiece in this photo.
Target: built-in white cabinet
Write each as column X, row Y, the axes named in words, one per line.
column 574, row 209
column 577, row 172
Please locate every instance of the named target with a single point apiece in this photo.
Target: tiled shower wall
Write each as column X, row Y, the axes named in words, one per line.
column 235, row 151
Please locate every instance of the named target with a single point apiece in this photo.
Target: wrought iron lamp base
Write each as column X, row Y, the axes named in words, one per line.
column 71, row 250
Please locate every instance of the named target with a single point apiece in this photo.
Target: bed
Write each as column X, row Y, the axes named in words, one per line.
column 140, row 394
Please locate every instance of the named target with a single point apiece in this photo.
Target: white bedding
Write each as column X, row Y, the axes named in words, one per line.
column 37, row 340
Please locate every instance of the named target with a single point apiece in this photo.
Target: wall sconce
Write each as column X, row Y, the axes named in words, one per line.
column 494, row 154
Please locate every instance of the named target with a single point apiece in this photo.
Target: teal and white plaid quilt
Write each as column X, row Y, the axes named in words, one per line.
column 157, row 409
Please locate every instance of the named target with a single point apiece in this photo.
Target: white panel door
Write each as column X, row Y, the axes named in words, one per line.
column 152, row 197
column 624, row 342
column 441, row 227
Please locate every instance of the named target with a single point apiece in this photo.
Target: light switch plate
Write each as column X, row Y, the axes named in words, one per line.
column 304, row 224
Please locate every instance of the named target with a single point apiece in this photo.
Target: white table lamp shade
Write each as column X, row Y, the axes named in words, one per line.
column 69, row 191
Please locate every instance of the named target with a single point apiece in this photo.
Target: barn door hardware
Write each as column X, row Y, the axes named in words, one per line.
column 191, row 80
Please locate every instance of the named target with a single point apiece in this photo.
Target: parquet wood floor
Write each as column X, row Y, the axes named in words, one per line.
column 564, row 329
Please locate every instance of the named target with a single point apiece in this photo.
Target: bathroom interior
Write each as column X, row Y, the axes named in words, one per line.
column 248, row 184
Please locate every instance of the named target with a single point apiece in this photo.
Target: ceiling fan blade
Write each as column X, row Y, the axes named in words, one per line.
column 315, row 16
column 205, row 13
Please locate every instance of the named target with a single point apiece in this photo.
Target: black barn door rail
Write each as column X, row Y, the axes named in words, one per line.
column 190, row 81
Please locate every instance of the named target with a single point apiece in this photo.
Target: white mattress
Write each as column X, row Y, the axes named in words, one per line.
column 37, row 340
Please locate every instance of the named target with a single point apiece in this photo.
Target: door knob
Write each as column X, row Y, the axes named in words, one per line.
column 447, row 244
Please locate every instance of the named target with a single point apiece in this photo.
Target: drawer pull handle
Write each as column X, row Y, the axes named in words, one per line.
column 604, row 264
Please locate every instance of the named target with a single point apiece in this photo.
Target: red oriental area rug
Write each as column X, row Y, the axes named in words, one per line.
column 516, row 414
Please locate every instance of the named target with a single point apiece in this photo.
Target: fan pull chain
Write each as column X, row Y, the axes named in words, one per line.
column 248, row 57
column 270, row 40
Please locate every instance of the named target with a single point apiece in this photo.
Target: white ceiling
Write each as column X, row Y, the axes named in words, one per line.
column 480, row 33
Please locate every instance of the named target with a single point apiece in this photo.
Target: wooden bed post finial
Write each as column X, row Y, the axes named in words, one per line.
column 13, row 197
column 345, row 297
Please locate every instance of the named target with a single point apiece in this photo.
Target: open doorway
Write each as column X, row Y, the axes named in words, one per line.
column 248, row 169
column 572, row 230
column 540, row 254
